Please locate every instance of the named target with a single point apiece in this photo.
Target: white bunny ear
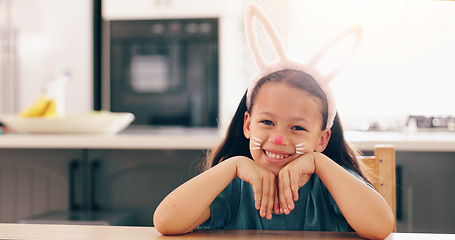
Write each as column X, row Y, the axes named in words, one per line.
column 357, row 31
column 253, row 11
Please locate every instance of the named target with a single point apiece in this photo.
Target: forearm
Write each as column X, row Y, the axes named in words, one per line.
column 364, row 209
column 188, row 205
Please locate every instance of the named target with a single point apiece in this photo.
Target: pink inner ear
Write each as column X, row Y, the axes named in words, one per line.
column 278, row 139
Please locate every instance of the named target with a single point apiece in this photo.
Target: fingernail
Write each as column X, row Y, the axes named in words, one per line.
column 269, row 216
column 281, row 210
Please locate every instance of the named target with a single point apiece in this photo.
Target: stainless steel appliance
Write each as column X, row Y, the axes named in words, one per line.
column 164, row 71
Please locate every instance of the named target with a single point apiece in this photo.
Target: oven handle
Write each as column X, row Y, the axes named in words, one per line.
column 74, row 169
column 95, row 171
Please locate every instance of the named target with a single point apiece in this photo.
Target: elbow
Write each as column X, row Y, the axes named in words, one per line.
column 166, row 230
column 376, row 235
column 161, row 225
column 379, row 231
column 166, row 225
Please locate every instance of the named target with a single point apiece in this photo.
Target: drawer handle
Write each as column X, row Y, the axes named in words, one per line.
column 74, row 168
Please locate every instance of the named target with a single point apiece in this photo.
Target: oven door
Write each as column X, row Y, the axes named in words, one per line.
column 171, row 81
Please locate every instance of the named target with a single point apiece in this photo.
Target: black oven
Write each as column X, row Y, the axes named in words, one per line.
column 165, row 71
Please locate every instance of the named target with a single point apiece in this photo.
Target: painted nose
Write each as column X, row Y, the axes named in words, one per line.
column 278, row 139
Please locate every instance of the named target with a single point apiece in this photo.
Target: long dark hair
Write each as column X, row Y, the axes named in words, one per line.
column 236, row 144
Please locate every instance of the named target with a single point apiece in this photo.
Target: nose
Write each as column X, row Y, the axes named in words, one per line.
column 278, row 139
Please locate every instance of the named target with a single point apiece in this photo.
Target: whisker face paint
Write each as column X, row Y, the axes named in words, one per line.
column 256, row 141
column 299, row 147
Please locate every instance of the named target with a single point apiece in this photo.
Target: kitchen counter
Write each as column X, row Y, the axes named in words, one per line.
column 131, row 138
column 420, row 141
column 205, row 138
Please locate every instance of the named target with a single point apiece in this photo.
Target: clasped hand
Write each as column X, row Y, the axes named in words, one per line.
column 272, row 192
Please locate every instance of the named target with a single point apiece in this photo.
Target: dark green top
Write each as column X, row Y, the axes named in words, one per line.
column 315, row 210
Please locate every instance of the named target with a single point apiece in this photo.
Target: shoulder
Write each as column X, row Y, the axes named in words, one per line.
column 358, row 176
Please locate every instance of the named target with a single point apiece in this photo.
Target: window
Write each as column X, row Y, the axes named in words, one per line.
column 404, row 66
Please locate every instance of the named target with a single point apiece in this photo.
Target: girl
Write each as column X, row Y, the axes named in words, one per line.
column 284, row 163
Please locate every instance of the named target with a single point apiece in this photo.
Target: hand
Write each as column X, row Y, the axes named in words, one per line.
column 292, row 177
column 263, row 182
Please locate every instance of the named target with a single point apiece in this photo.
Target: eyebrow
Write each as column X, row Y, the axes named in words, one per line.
column 300, row 119
column 295, row 119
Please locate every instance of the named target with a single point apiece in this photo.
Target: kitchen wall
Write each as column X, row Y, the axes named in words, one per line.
column 404, row 65
column 53, row 37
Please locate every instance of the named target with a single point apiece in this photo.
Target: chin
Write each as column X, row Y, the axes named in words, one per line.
column 275, row 171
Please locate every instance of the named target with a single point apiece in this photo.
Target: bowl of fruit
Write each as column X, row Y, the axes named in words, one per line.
column 42, row 117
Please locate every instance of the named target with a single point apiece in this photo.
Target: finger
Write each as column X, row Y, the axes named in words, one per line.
column 271, row 198
column 265, row 198
column 282, row 199
column 257, row 189
column 290, row 200
column 295, row 185
column 289, row 193
column 277, row 200
column 285, row 192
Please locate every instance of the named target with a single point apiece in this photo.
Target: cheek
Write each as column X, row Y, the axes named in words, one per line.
column 304, row 145
column 256, row 143
column 256, row 154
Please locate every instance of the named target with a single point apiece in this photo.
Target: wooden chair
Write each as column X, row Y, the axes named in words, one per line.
column 381, row 172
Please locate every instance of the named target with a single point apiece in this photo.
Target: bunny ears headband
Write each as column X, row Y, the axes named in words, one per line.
column 254, row 11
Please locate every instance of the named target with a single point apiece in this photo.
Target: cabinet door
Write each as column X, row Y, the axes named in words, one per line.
column 34, row 181
column 428, row 191
column 425, row 192
column 137, row 180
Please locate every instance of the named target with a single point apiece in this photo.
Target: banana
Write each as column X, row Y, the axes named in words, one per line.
column 36, row 109
column 43, row 107
column 51, row 110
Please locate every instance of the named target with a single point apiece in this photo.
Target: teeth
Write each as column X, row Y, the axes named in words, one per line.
column 275, row 155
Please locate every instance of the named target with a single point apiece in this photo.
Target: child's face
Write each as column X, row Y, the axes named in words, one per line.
column 285, row 122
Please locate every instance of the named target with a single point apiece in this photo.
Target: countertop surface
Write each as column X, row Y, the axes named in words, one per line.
column 84, row 232
column 206, row 138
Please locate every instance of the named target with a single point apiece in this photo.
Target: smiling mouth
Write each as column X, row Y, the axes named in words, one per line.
column 276, row 156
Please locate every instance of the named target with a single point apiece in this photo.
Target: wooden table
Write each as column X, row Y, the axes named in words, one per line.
column 81, row 232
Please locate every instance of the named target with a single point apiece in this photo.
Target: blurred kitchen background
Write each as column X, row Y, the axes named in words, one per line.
column 401, row 79
column 402, row 74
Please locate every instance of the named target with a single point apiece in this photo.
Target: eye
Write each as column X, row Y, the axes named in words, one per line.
column 267, row 122
column 298, row 128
